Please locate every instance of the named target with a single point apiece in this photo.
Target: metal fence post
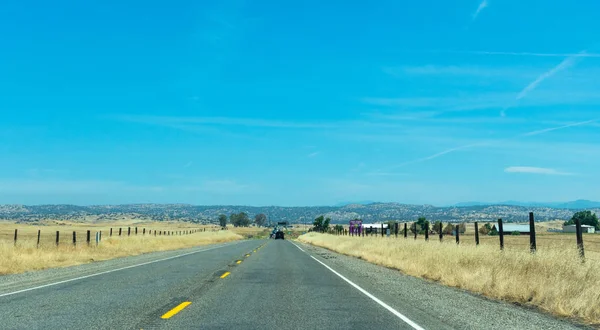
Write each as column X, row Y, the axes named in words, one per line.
column 382, row 230
column 501, row 234
column 476, row 234
column 579, row 240
column 88, row 238
column 128, row 231
column 57, row 237
column 415, row 226
column 532, row 244
column 427, row 231
column 405, row 230
column 120, row 231
column 441, row 233
column 74, row 238
column 457, row 235
column 38, row 240
column 16, row 237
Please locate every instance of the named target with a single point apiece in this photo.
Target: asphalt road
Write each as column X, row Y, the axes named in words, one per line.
column 254, row 284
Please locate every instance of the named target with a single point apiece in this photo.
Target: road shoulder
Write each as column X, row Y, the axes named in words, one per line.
column 428, row 303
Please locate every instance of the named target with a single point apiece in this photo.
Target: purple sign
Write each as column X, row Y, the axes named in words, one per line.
column 355, row 227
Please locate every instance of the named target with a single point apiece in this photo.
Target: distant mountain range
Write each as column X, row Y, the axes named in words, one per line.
column 578, row 204
column 369, row 212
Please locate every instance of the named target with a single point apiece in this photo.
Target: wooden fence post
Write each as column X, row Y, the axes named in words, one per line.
column 405, row 230
column 457, row 235
column 16, row 237
column 427, row 231
column 88, row 237
column 154, row 232
column 476, row 234
column 57, row 235
column 38, row 240
column 100, row 236
column 532, row 244
column 128, row 231
column 579, row 240
column 441, row 233
column 119, row 231
column 136, row 230
column 501, row 233
column 382, row 230
column 74, row 238
column 144, row 231
column 396, row 229
column 110, row 232
column 415, row 225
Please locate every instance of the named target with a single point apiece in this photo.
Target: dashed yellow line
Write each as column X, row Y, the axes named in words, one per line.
column 247, row 255
column 225, row 274
column 238, row 262
column 176, row 310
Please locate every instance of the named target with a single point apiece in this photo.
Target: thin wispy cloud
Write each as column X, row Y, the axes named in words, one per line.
column 535, row 170
column 542, row 131
column 484, row 4
column 566, row 63
column 501, row 53
column 313, row 154
column 479, row 144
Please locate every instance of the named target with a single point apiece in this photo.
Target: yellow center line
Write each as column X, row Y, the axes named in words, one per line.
column 238, row 262
column 225, row 275
column 254, row 250
column 176, row 310
column 247, row 255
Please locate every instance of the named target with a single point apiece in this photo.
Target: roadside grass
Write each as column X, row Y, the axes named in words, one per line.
column 250, row 232
column 553, row 279
column 26, row 256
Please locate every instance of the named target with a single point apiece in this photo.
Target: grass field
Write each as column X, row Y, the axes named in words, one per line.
column 554, row 279
column 26, row 256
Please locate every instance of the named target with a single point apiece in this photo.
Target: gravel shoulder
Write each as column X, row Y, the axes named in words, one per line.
column 431, row 304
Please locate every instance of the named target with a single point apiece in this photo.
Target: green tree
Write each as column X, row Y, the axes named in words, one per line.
column 515, row 233
column 420, row 225
column 436, row 227
column 326, row 224
column 318, row 223
column 260, row 219
column 240, row 219
column 585, row 218
column 462, row 228
column 485, row 229
column 338, row 228
column 223, row 220
column 449, row 229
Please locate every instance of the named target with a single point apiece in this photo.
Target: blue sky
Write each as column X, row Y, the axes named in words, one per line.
column 299, row 103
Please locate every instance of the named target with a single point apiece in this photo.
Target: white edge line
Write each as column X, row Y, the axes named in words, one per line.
column 298, row 247
column 384, row 305
column 110, row 271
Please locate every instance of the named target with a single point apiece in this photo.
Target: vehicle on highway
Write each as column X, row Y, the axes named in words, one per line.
column 279, row 235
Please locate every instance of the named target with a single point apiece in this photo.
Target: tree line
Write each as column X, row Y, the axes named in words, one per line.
column 242, row 219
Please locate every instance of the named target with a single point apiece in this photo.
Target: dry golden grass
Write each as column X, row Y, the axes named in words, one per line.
column 26, row 256
column 250, row 232
column 554, row 279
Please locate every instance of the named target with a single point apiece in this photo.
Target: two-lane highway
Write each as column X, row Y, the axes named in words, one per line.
column 254, row 284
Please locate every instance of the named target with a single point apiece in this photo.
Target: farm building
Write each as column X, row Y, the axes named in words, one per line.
column 373, row 227
column 509, row 229
column 584, row 229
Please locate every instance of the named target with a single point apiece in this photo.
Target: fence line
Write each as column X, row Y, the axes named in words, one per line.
column 532, row 234
column 98, row 234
